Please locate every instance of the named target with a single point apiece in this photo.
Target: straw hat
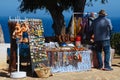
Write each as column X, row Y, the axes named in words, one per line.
column 102, row 13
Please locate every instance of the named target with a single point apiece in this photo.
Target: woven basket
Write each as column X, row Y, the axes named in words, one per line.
column 43, row 72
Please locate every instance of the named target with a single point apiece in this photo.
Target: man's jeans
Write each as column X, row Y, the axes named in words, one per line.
column 105, row 46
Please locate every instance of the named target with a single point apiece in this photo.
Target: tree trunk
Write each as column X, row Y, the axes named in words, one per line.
column 58, row 21
column 79, row 5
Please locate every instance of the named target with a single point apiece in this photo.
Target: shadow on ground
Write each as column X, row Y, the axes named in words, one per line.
column 4, row 74
column 27, row 69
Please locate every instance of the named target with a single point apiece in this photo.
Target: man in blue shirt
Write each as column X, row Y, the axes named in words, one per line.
column 101, row 29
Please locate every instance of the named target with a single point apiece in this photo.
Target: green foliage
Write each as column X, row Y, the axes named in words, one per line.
column 115, row 42
column 33, row 5
column 56, row 8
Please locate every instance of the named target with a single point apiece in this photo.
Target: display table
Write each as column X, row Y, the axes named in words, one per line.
column 67, row 60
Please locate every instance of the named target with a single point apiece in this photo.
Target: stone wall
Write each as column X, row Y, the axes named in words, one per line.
column 1, row 35
column 3, row 55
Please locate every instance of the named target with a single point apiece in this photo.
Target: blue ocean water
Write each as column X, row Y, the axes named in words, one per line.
column 116, row 24
column 47, row 24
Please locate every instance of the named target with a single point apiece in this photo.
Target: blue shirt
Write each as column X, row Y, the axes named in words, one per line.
column 101, row 28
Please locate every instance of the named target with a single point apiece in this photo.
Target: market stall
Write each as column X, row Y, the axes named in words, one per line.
column 63, row 57
column 58, row 58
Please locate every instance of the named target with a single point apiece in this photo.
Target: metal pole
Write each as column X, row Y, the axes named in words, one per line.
column 18, row 58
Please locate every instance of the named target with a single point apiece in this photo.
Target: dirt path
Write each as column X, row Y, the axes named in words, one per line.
column 94, row 74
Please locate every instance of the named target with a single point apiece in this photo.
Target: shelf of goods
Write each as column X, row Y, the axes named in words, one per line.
column 36, row 42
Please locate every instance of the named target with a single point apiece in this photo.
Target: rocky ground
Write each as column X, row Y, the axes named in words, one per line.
column 94, row 74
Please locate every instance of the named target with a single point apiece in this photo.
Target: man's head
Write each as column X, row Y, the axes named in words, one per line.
column 102, row 13
column 92, row 14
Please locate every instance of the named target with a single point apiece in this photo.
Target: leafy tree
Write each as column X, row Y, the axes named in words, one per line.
column 56, row 7
column 115, row 42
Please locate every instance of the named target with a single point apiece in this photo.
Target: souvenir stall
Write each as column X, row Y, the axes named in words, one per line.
column 65, row 58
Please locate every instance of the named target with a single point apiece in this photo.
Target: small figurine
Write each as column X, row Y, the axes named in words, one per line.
column 17, row 32
column 24, row 30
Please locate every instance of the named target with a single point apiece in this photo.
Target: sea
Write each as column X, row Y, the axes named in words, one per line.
column 47, row 25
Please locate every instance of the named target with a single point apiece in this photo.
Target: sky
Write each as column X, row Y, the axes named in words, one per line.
column 10, row 8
